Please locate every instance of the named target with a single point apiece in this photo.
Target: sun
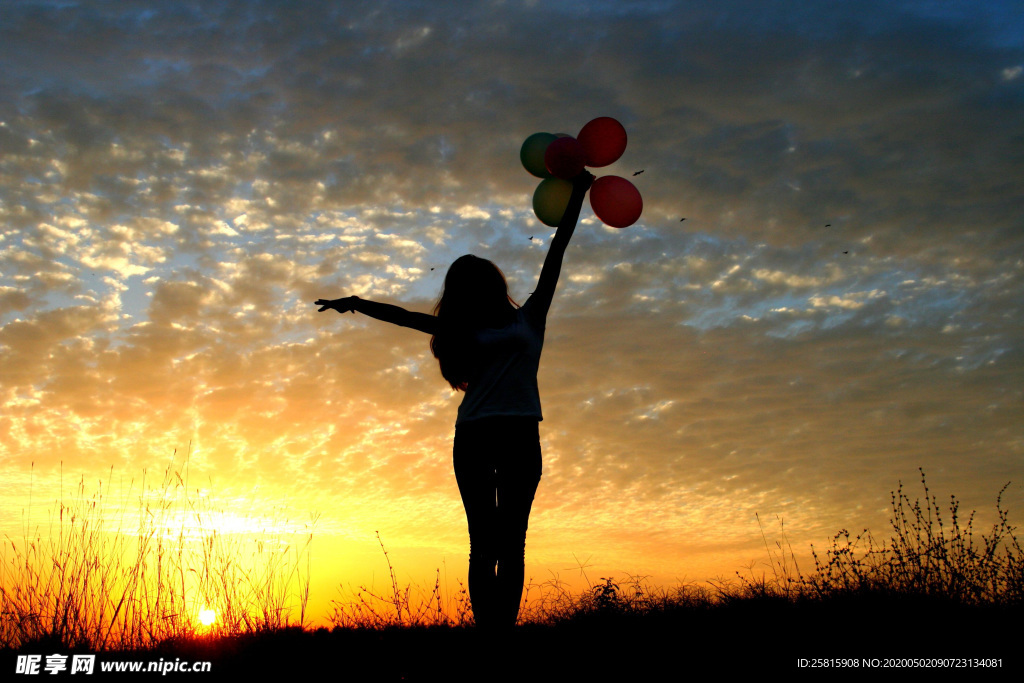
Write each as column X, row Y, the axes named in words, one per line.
column 207, row 617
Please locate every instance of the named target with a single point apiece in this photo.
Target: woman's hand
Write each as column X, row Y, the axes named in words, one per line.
column 343, row 305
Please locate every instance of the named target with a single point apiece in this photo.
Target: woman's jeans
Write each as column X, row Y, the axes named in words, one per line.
column 497, row 465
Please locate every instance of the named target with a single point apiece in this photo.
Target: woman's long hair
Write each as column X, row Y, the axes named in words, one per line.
column 475, row 297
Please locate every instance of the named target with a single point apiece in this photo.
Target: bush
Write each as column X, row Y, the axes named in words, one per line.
column 926, row 557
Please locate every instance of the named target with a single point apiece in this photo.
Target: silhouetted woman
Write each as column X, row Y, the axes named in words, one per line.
column 489, row 348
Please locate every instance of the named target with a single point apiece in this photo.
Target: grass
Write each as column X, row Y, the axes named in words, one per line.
column 936, row 586
column 406, row 607
column 101, row 578
column 931, row 554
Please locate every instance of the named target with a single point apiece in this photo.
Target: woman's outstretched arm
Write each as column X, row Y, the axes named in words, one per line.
column 545, row 292
column 395, row 315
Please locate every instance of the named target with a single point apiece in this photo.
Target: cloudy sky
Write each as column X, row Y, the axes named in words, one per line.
column 842, row 305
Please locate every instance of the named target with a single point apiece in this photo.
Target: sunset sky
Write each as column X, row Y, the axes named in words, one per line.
column 179, row 181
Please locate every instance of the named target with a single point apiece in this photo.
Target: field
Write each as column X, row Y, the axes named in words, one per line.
column 934, row 591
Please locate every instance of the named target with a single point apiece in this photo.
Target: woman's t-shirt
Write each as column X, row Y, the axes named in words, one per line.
column 506, row 381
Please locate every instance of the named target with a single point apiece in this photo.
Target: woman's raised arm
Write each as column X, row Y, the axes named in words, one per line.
column 545, row 292
column 396, row 315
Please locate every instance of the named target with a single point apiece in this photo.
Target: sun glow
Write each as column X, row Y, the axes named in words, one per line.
column 207, row 617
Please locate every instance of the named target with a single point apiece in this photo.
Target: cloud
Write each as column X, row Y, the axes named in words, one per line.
column 839, row 307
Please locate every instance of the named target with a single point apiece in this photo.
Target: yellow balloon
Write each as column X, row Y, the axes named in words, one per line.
column 550, row 199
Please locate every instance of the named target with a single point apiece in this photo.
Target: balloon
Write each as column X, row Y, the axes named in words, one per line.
column 532, row 153
column 616, row 201
column 603, row 141
column 550, row 199
column 564, row 158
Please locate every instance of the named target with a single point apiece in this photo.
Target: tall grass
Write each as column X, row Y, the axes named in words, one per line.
column 407, row 607
column 932, row 553
column 106, row 576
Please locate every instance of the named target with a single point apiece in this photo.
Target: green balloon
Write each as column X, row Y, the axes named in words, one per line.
column 532, row 154
column 550, row 199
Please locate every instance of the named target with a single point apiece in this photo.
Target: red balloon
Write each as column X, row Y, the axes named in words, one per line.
column 616, row 201
column 603, row 141
column 564, row 158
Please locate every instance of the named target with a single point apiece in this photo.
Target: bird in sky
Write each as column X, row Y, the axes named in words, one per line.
column 639, row 172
